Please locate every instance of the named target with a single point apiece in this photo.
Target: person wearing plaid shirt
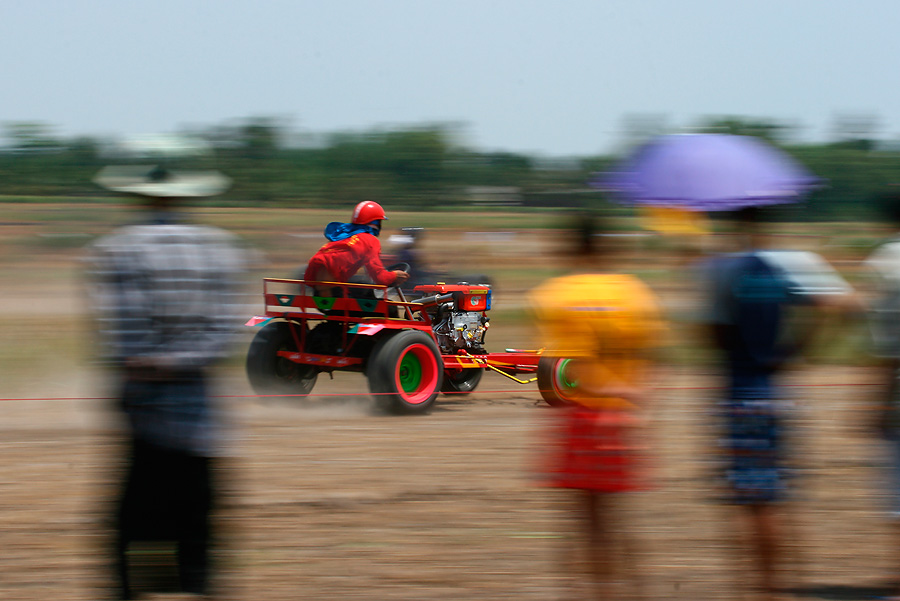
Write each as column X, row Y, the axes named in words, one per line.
column 166, row 298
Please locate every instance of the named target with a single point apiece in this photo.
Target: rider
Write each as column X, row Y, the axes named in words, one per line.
column 351, row 246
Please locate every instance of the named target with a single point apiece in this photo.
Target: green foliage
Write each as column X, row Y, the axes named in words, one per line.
column 853, row 178
column 768, row 130
column 419, row 168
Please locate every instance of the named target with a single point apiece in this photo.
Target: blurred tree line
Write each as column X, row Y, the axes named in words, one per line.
column 421, row 167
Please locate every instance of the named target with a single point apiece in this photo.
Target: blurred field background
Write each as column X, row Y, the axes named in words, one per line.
column 43, row 309
column 329, row 501
column 491, row 212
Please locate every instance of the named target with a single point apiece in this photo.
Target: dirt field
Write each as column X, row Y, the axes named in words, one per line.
column 331, row 501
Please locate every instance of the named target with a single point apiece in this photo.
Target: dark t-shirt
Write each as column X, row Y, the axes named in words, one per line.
column 750, row 301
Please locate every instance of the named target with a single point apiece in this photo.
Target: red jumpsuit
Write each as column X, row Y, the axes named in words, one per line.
column 338, row 261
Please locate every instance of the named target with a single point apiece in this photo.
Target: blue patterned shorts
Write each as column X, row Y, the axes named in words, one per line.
column 753, row 437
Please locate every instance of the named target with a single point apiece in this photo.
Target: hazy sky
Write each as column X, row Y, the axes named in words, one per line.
column 545, row 77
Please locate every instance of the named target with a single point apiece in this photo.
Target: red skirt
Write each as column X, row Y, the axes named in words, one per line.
column 592, row 450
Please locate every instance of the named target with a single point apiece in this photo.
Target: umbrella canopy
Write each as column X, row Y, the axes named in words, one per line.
column 708, row 172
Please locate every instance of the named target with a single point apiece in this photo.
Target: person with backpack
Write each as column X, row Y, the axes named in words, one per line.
column 752, row 296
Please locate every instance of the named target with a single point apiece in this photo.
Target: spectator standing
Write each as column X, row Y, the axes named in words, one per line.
column 751, row 294
column 597, row 328
column 884, row 263
column 166, row 295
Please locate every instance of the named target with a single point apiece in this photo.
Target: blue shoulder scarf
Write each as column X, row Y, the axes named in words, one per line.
column 336, row 230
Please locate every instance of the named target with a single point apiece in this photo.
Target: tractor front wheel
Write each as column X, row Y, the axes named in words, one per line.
column 405, row 372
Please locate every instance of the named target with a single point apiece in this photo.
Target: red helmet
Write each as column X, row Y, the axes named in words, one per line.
column 366, row 212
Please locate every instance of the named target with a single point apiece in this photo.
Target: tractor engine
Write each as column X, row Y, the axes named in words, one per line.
column 460, row 324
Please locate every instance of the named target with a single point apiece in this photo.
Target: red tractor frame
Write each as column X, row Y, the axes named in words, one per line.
column 409, row 350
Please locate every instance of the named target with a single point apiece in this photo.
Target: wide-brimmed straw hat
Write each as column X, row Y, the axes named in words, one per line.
column 159, row 182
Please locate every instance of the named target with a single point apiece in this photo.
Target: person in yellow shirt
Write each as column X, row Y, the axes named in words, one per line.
column 598, row 329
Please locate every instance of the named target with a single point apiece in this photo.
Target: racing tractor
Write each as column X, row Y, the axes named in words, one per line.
column 410, row 351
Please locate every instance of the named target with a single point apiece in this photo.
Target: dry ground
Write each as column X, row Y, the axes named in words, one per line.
column 329, row 500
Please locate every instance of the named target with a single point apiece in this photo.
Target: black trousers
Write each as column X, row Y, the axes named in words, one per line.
column 167, row 496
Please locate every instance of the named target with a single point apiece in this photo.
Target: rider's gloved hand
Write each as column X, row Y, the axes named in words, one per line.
column 402, row 276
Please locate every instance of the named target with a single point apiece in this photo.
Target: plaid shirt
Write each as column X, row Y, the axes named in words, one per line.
column 169, row 293
column 167, row 296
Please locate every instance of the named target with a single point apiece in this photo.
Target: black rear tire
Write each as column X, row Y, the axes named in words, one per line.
column 271, row 375
column 556, row 389
column 462, row 382
column 405, row 372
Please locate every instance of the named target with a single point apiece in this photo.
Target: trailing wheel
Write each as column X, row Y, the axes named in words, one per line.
column 461, row 381
column 405, row 372
column 555, row 382
column 270, row 374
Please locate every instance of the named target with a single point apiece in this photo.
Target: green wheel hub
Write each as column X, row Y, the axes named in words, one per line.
column 410, row 373
column 562, row 377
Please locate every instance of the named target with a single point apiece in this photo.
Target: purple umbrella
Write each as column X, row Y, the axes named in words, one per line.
column 708, row 172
